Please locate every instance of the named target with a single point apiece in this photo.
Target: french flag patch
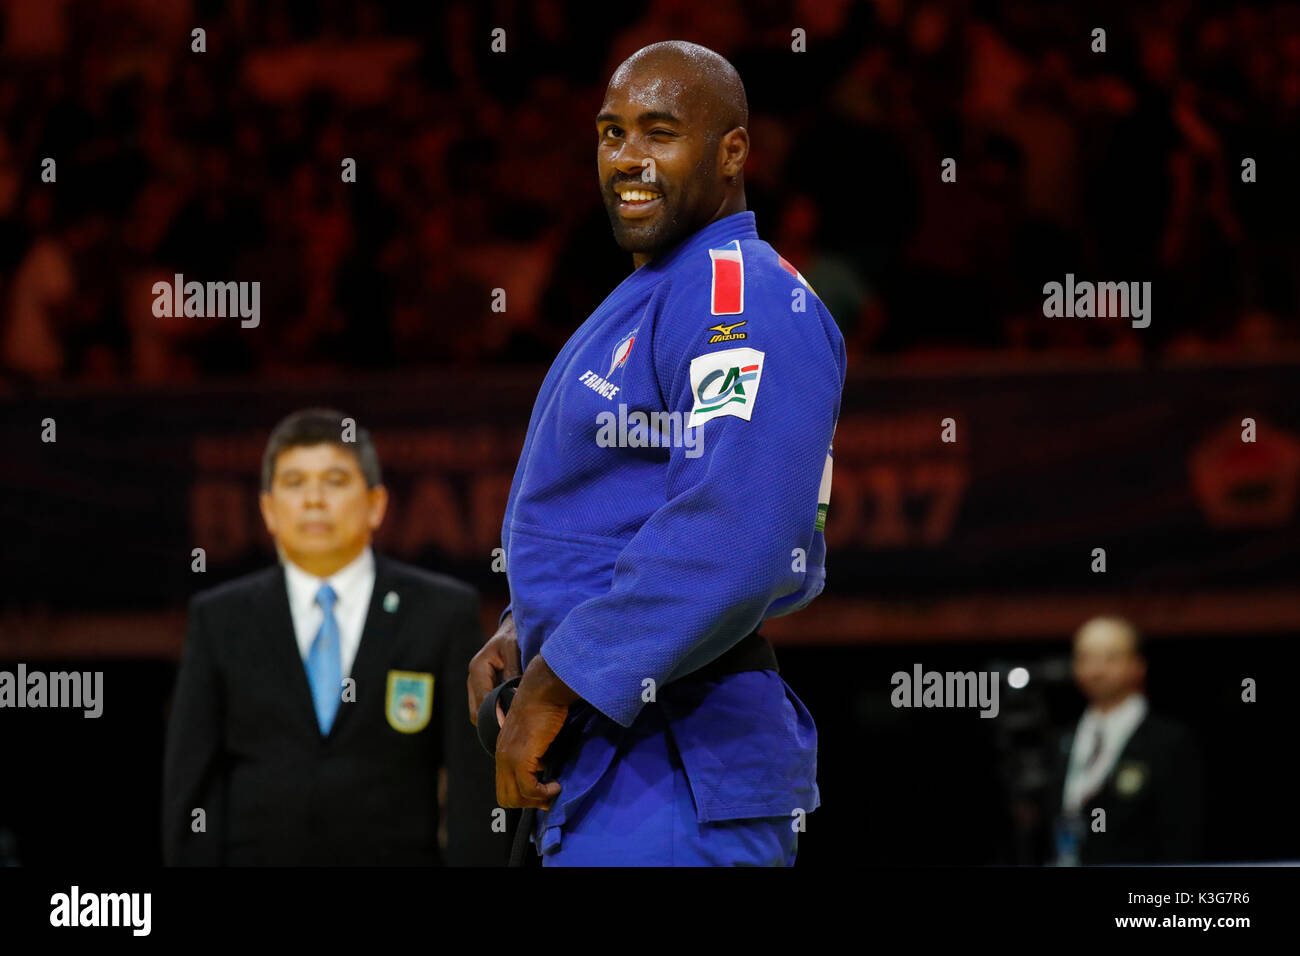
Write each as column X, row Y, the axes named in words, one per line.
column 728, row 296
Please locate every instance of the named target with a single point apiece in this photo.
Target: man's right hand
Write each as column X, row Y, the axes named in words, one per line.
column 498, row 661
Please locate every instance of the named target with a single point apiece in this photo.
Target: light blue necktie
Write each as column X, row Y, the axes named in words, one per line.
column 325, row 663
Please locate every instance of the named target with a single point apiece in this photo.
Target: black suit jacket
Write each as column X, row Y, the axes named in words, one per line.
column 243, row 742
column 1153, row 798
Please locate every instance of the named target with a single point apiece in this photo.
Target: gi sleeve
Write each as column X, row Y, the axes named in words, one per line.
column 741, row 498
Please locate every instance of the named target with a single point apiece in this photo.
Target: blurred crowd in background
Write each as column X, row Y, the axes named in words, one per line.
column 475, row 171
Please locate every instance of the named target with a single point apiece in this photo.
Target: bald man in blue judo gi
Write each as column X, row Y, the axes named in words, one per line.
column 670, row 496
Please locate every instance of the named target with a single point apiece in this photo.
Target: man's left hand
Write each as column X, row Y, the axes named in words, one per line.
column 536, row 716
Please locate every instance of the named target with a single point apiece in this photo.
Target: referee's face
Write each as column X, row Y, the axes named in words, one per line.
column 1106, row 667
column 319, row 509
column 657, row 161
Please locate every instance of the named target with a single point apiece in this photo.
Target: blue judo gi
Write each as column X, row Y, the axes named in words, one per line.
column 637, row 552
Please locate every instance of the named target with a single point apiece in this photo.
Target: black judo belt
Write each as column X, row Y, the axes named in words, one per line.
column 752, row 653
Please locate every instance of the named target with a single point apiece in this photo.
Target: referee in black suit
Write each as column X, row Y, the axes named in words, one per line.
column 1142, row 768
column 317, row 700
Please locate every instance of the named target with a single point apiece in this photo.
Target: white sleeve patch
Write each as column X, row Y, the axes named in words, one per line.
column 824, row 492
column 724, row 383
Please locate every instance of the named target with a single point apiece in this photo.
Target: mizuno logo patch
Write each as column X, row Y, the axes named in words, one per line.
column 726, row 333
column 725, row 383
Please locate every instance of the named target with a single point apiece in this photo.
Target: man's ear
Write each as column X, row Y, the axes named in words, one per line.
column 378, row 506
column 268, row 516
column 733, row 150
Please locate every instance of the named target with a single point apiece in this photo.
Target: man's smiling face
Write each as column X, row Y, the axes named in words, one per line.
column 649, row 130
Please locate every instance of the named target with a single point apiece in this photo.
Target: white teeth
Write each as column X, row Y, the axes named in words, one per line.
column 638, row 195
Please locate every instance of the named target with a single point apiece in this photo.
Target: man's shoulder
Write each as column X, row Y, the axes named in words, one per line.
column 420, row 579
column 742, row 294
column 238, row 589
column 1160, row 732
column 432, row 583
column 733, row 277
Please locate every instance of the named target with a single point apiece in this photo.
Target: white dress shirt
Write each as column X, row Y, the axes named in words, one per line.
column 353, row 586
column 1116, row 726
